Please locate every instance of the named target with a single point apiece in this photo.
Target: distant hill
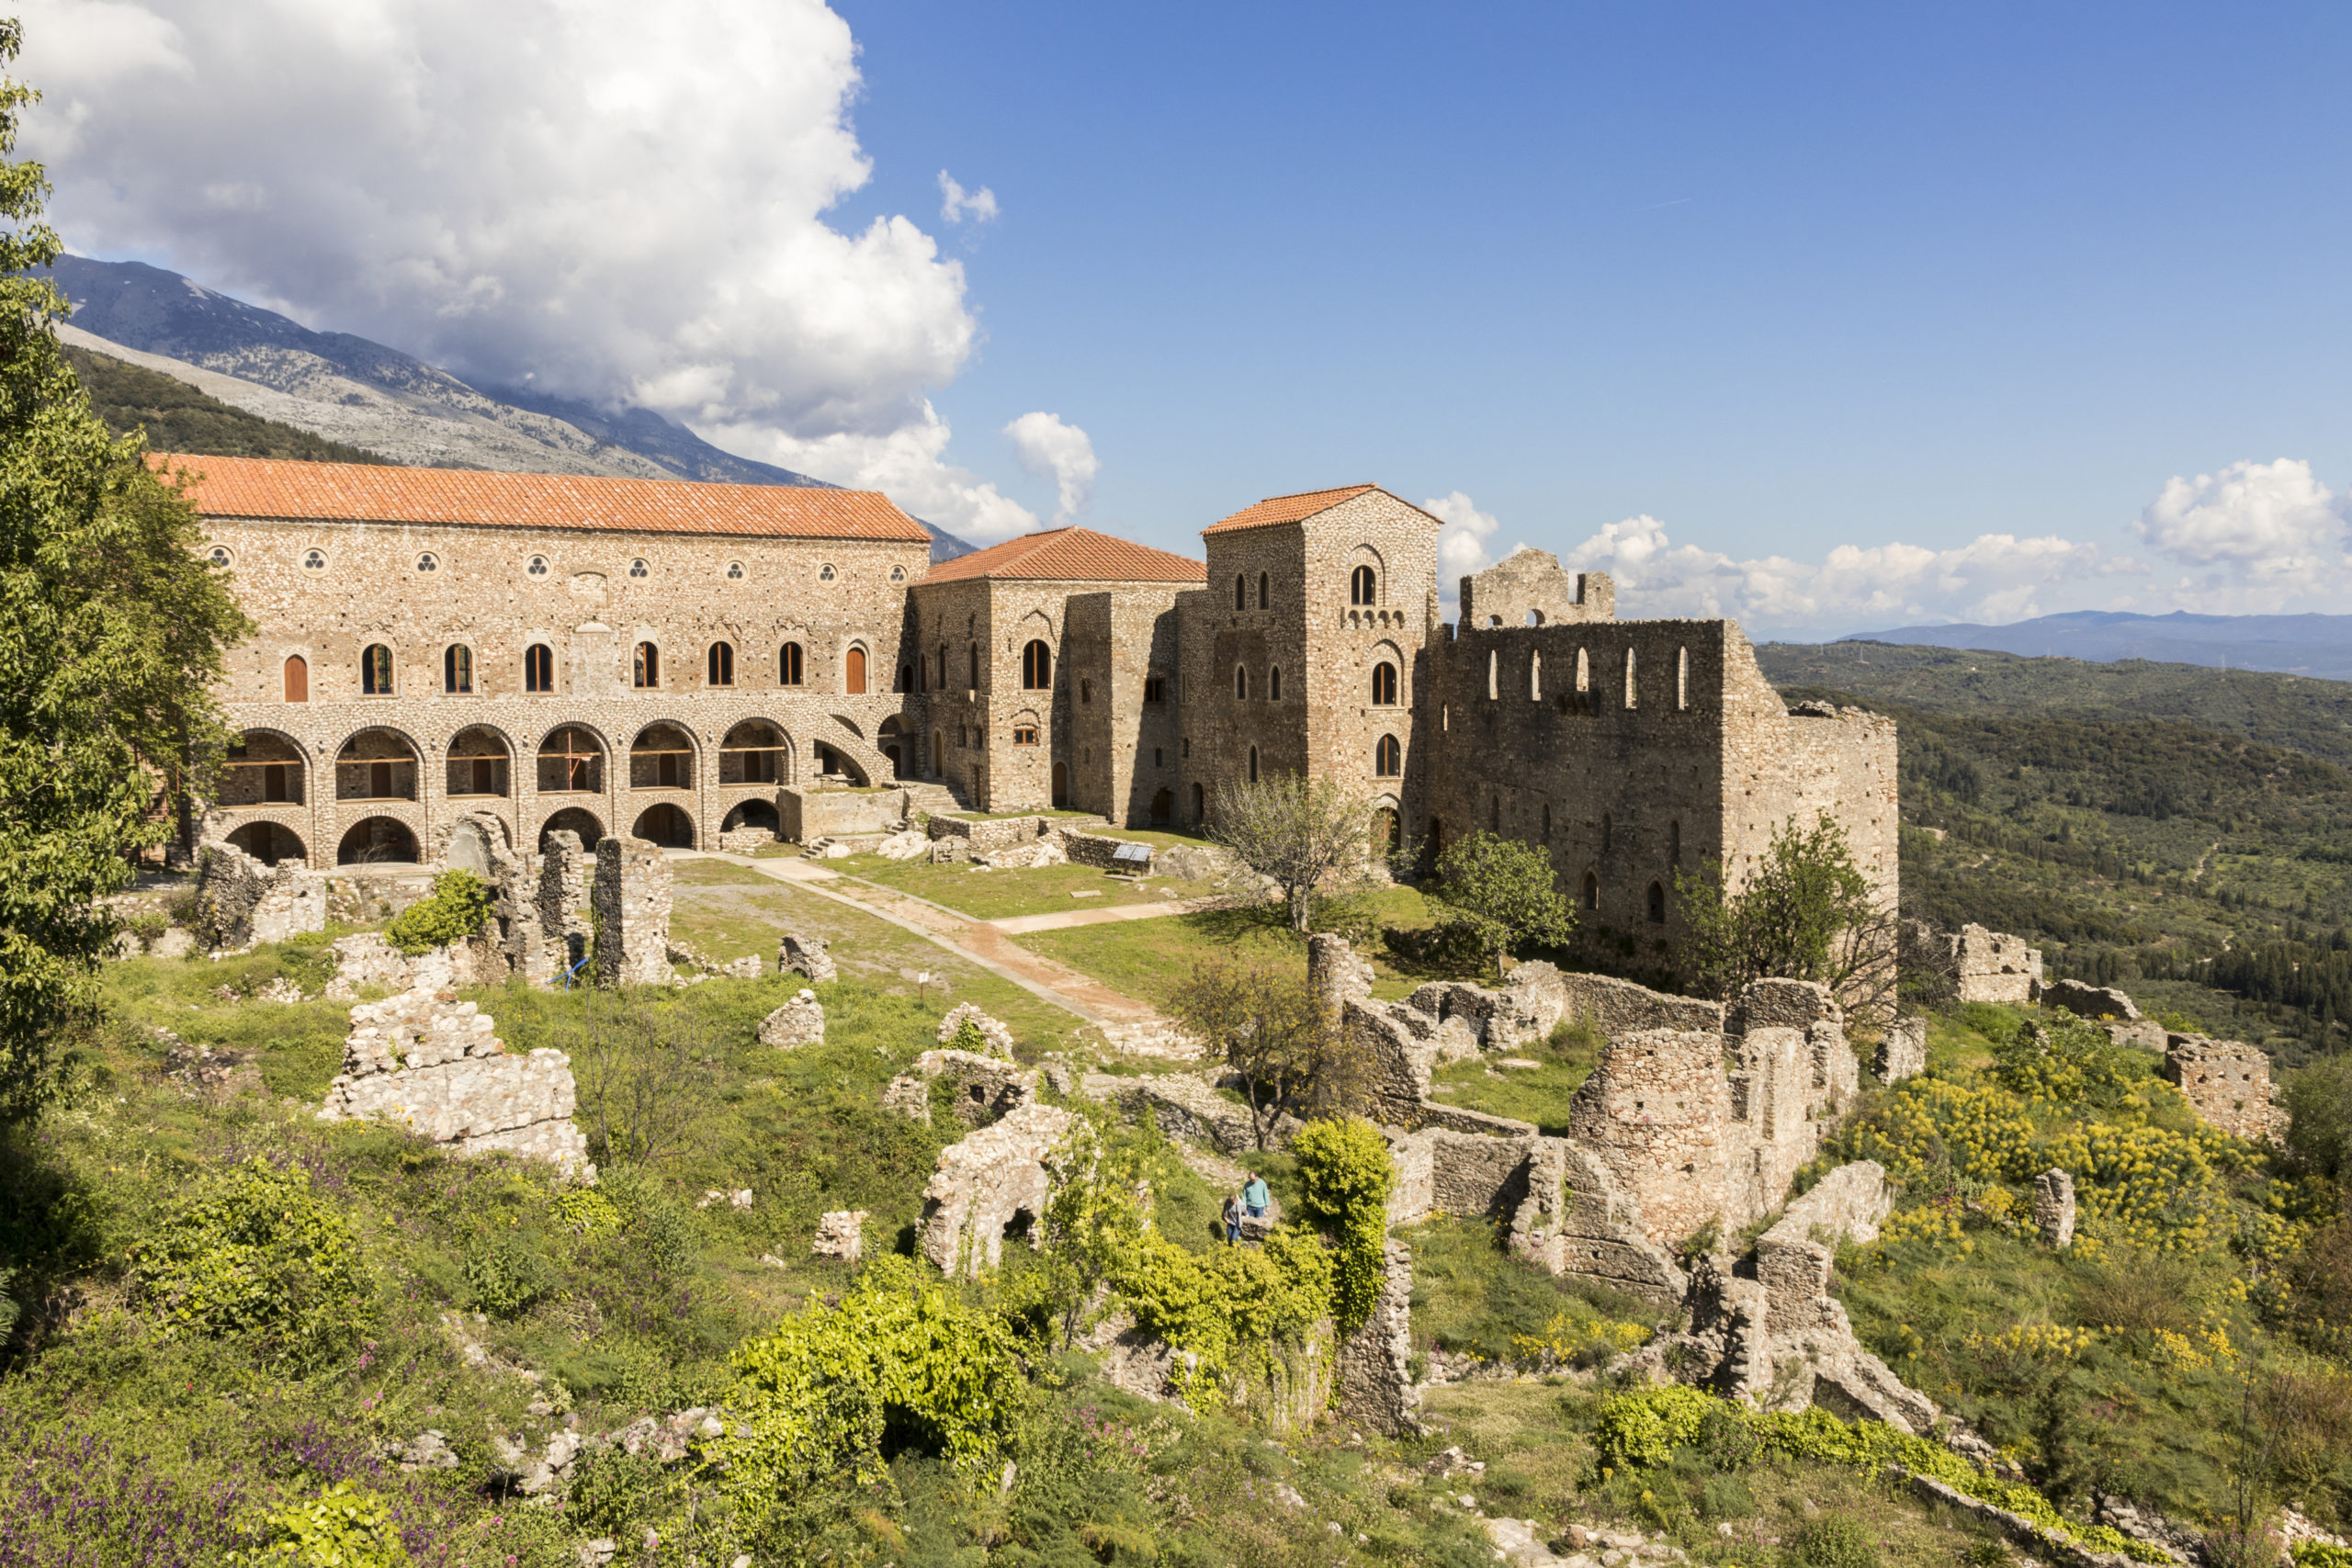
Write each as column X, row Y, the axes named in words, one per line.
column 360, row 394
column 179, row 418
column 2301, row 645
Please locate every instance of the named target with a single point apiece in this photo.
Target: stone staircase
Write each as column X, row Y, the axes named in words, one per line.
column 929, row 796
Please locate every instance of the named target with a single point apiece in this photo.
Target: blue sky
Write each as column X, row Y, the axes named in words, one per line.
column 1830, row 318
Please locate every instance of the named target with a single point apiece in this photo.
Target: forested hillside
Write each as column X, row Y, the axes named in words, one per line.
column 2177, row 830
column 180, row 418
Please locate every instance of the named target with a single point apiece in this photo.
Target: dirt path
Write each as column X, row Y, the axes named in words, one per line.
column 1062, row 919
column 982, row 942
column 2203, row 858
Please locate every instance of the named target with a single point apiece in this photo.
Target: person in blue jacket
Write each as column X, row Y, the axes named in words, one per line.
column 1254, row 1197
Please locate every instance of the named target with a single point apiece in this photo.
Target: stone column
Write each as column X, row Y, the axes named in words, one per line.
column 2053, row 1208
column 632, row 903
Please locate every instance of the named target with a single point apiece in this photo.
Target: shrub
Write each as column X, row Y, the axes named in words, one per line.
column 609, row 1488
column 457, row 907
column 341, row 1528
column 2319, row 1099
column 507, row 1273
column 1833, row 1540
column 253, row 1253
column 1504, row 893
column 1344, row 1169
column 1229, row 1299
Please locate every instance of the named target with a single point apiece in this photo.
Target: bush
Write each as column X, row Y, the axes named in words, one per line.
column 507, row 1273
column 2319, row 1099
column 254, row 1253
column 1833, row 1540
column 1345, row 1169
column 457, row 907
column 341, row 1528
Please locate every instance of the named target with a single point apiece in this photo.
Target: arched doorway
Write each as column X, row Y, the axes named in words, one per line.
column 838, row 764
column 584, row 825
column 477, row 764
column 1388, row 832
column 665, row 825
column 855, row 682
column 1061, row 786
column 376, row 764
column 571, row 762
column 377, row 841
column 663, row 757
column 1163, row 806
column 269, row 842
column 759, row 814
column 754, row 751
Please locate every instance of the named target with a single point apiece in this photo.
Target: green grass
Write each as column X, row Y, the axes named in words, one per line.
column 1470, row 1295
column 1149, row 959
column 996, row 895
column 1541, row 1094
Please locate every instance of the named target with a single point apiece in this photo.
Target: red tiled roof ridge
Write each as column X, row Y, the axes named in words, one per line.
column 1071, row 554
column 1299, row 506
column 363, row 493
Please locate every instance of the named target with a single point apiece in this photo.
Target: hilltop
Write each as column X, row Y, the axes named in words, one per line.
column 2304, row 645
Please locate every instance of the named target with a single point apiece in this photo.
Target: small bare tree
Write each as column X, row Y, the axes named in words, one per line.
column 1305, row 836
column 1271, row 1027
column 645, row 1074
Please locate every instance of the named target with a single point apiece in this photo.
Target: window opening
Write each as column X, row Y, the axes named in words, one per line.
column 298, row 678
column 1037, row 667
column 458, row 668
column 537, row 566
column 645, row 667
column 1363, row 586
column 1241, row 683
column 722, row 663
column 789, row 669
column 376, row 671
column 1240, row 591
column 1388, row 758
column 1263, row 584
column 428, row 561
column 638, row 568
column 1274, row 684
column 538, row 667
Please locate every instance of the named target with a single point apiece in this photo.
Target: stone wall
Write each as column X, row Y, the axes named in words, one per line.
column 1614, row 1004
column 2090, row 1001
column 1375, row 1389
column 808, row 814
column 2227, row 1082
column 1902, row 1051
column 562, row 903
column 984, row 1183
column 1534, row 998
column 632, row 903
column 239, row 901
column 1993, row 967
column 1578, row 1221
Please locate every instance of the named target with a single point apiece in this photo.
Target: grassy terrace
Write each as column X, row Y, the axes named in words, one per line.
column 995, row 894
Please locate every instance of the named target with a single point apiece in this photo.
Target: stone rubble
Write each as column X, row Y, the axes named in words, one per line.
column 840, row 1234
column 208, row 1072
column 801, row 1021
column 908, row 845
column 798, row 952
column 999, row 1038
column 986, row 1088
column 429, row 1061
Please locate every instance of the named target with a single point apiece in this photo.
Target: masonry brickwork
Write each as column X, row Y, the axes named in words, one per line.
column 2226, row 1082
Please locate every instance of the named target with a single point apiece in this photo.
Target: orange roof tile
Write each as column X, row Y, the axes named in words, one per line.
column 1297, row 508
column 361, row 492
column 1072, row 555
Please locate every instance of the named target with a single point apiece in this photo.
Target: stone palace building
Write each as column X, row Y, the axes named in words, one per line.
column 683, row 661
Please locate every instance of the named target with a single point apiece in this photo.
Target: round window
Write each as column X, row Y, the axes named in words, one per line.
column 898, row 574
column 537, row 567
column 825, row 575
column 220, row 556
column 638, row 568
column 428, row 561
column 315, row 560
column 734, row 571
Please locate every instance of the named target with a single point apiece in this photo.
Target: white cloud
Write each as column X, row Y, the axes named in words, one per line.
column 1462, row 545
column 2272, row 522
column 955, row 203
column 1062, row 453
column 909, row 463
column 615, row 201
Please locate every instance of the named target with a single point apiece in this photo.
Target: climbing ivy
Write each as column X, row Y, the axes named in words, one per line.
column 1344, row 1166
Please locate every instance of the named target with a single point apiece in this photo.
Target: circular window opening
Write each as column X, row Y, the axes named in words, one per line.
column 734, row 571
column 315, row 560
column 220, row 556
column 638, row 568
column 825, row 575
column 428, row 561
column 537, row 567
column 898, row 574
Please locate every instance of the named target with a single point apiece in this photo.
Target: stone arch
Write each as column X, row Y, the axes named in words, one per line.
column 1388, row 673
column 832, row 757
column 1367, row 573
column 270, row 842
column 575, row 821
column 1657, row 903
column 1388, row 758
column 663, row 757
column 755, row 814
column 457, row 673
column 755, row 752
column 665, row 824
column 718, row 663
column 265, row 767
column 1163, row 807
column 1387, row 827
column 379, row 672
column 479, row 763
column 1027, row 728
column 1037, row 665
column 378, row 762
column 570, row 760
column 377, row 841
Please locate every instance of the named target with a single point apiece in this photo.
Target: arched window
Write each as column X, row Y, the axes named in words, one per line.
column 1632, row 692
column 1681, row 679
column 1263, row 597
column 1584, row 672
column 1534, row 617
column 1494, row 674
column 1240, row 591
column 853, row 682
column 1200, row 803
column 376, row 671
column 1037, row 667
column 792, row 668
column 1591, row 891
column 1536, row 676
column 1253, row 764
column 1657, row 903
column 1388, row 758
column 644, row 668
column 1241, row 683
column 1674, row 844
column 538, row 667
column 720, row 663
column 1363, row 586
column 457, row 668
column 1274, row 684
column 298, row 678
column 1384, row 685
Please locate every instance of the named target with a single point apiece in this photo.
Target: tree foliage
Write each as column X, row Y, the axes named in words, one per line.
column 1805, row 912
column 1269, row 1025
column 111, row 633
column 457, row 907
column 1307, row 837
column 1503, row 892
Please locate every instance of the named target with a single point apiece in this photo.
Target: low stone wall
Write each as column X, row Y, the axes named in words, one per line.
column 239, row 901
column 1575, row 1221
column 2090, row 1001
column 1477, row 1177
column 989, row 836
column 1993, row 967
column 1531, row 1003
column 1620, row 1006
column 1902, row 1051
column 1097, row 850
column 804, row 816
column 1847, row 1204
column 2227, row 1082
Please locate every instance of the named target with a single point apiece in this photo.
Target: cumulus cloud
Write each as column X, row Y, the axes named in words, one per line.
column 955, row 203
column 2271, row 521
column 1462, row 547
column 1062, row 453
column 598, row 199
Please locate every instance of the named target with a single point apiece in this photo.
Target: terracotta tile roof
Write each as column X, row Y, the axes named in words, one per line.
column 1072, row 555
column 360, row 492
column 1297, row 508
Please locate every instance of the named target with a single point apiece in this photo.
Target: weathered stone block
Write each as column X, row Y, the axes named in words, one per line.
column 2228, row 1083
column 986, row 1087
column 1902, row 1049
column 798, row 952
column 1376, row 1382
column 840, row 1234
column 987, row 1182
column 239, row 901
column 2090, row 1001
column 999, row 1038
column 2053, row 1208
column 801, row 1021
column 1993, row 967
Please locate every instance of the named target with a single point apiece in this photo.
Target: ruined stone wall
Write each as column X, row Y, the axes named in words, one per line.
column 1620, row 1006
column 808, row 814
column 2227, row 1082
column 632, row 903
column 1994, row 967
column 1657, row 1111
column 1529, row 588
column 561, row 906
column 239, row 901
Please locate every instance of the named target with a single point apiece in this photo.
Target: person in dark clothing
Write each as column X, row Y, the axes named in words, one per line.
column 1232, row 1218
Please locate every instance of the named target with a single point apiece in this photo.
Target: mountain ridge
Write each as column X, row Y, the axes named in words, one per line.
column 2310, row 644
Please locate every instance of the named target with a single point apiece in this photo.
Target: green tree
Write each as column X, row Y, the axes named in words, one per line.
column 457, row 907
column 1305, row 837
column 1504, row 892
column 1270, row 1026
column 112, row 631
column 1806, row 912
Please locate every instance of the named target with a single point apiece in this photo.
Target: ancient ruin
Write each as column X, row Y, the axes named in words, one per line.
column 999, row 1038
column 2090, row 1001
column 840, row 1234
column 2227, row 1082
column 1902, row 1051
column 241, row 901
column 632, row 903
column 801, row 1021
column 2053, row 1208
column 990, row 1182
column 431, row 1063
column 1994, row 968
column 799, row 954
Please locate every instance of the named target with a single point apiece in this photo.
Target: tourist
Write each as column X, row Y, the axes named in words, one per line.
column 1254, row 1197
column 1232, row 1218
